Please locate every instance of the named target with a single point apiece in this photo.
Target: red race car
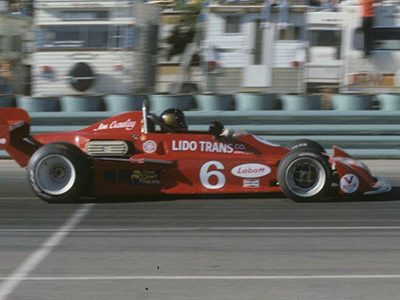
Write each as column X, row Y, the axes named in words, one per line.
column 139, row 153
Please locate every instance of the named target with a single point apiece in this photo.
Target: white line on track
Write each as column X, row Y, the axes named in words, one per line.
column 11, row 282
column 174, row 229
column 18, row 198
column 294, row 277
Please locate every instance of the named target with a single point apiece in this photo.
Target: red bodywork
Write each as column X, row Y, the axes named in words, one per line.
column 174, row 163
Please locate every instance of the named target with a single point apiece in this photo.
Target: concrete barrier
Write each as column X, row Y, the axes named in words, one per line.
column 255, row 101
column 389, row 101
column 7, row 101
column 83, row 103
column 120, row 103
column 301, row 102
column 214, row 102
column 348, row 102
column 161, row 102
column 35, row 104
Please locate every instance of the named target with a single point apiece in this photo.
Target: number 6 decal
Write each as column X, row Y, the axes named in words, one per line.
column 205, row 175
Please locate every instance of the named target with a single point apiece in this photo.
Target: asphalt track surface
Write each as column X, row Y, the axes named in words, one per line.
column 259, row 248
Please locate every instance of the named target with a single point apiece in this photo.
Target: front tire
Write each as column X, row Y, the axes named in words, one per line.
column 304, row 175
column 59, row 172
column 306, row 143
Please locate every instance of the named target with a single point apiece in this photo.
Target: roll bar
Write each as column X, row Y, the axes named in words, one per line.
column 145, row 110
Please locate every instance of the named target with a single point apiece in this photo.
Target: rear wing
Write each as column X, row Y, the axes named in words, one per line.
column 10, row 120
column 14, row 135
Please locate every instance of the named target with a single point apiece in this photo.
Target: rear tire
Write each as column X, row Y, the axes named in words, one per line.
column 59, row 172
column 304, row 175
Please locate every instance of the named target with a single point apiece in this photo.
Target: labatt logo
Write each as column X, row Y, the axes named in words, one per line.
column 251, row 170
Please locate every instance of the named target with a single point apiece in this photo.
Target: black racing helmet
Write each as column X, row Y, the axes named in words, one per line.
column 174, row 118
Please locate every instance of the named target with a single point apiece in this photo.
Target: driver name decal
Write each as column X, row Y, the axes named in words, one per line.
column 127, row 125
column 251, row 170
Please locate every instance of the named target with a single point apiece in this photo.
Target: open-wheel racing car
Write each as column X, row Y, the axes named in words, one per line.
column 139, row 153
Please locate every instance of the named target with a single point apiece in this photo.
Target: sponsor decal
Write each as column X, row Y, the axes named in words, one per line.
column 252, row 170
column 145, row 177
column 127, row 125
column 206, row 146
column 149, row 146
column 251, row 183
column 135, row 177
column 3, row 141
column 240, row 147
column 349, row 183
column 184, row 145
column 211, row 175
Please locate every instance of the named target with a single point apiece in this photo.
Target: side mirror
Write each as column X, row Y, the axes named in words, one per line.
column 216, row 128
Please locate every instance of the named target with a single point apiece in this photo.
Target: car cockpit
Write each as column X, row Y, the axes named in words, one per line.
column 173, row 120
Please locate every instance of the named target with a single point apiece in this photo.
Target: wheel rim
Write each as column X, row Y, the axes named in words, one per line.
column 55, row 174
column 305, row 177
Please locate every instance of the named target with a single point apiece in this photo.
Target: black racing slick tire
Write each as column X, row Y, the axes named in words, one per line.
column 59, row 173
column 305, row 143
column 304, row 175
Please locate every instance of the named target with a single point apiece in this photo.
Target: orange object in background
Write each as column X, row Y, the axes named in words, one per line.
column 368, row 8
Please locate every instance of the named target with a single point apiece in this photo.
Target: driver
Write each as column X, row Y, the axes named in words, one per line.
column 174, row 120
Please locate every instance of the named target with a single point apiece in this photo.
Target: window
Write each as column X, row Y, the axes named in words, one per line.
column 116, row 37
column 16, row 43
column 326, row 38
column 358, row 39
column 386, row 39
column 383, row 39
column 258, row 43
column 289, row 33
column 86, row 15
column 138, row 37
column 232, row 24
column 80, row 37
column 97, row 37
column 64, row 37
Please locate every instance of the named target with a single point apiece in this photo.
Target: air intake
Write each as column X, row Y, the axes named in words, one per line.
column 107, row 148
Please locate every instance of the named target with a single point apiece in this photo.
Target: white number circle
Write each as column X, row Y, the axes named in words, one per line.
column 205, row 175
